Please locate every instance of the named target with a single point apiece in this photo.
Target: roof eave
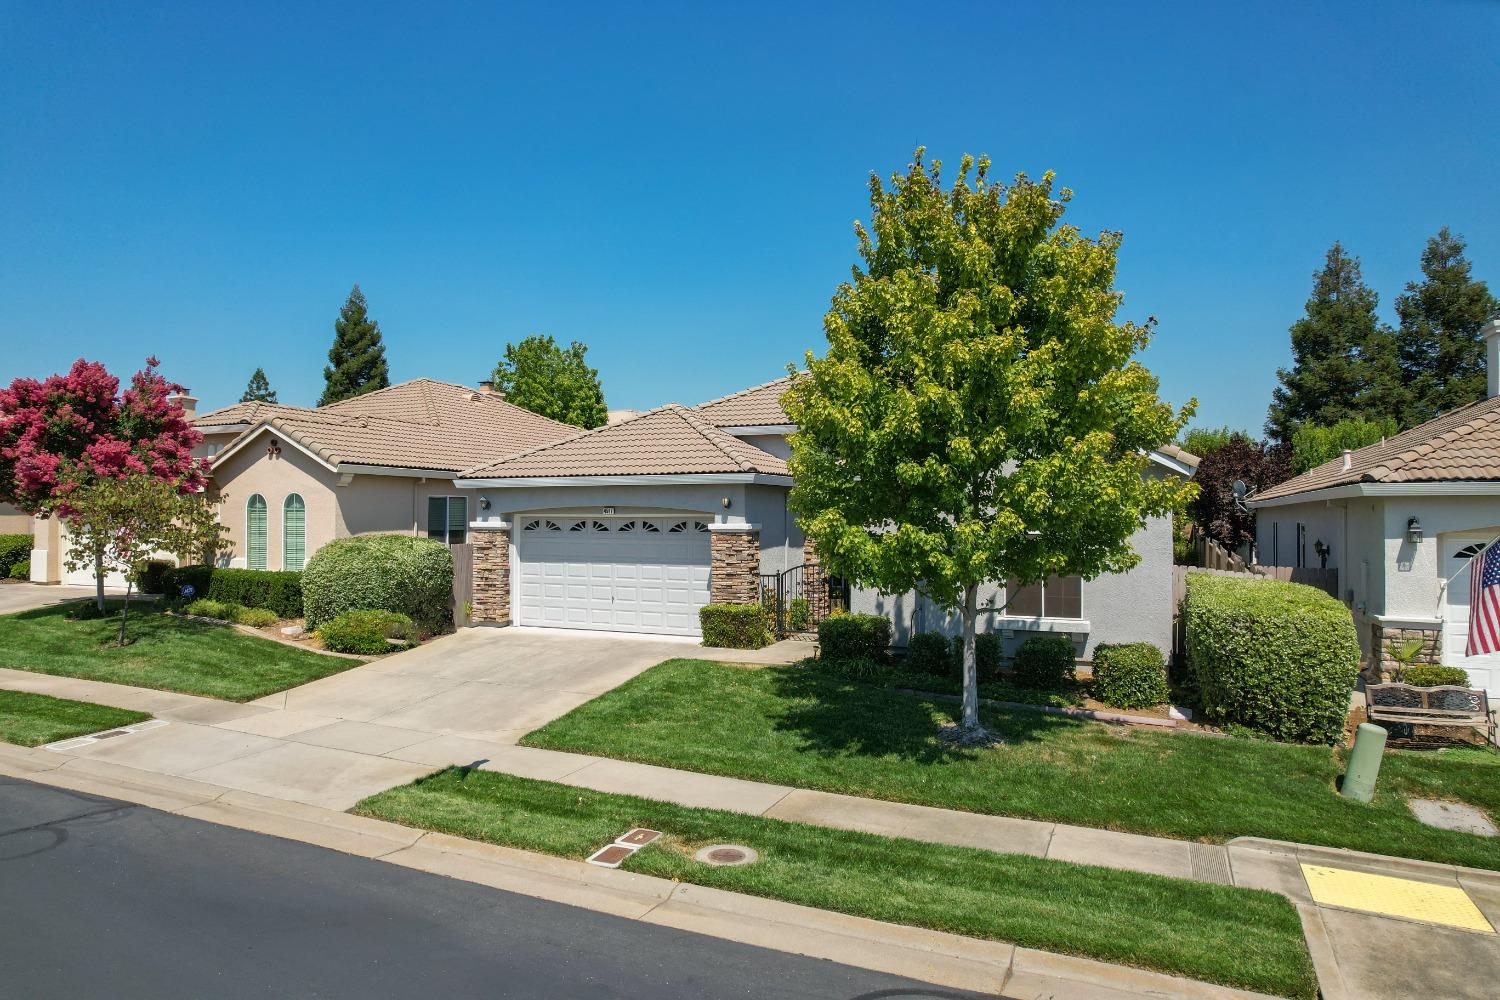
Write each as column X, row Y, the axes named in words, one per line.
column 1345, row 491
column 665, row 479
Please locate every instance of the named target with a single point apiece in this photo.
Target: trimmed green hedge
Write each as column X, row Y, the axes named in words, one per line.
column 1424, row 675
column 1045, row 663
column 398, row 573
column 151, row 576
column 13, row 549
column 1278, row 658
column 1133, row 675
column 733, row 626
column 21, row 570
column 275, row 590
column 854, row 637
column 366, row 632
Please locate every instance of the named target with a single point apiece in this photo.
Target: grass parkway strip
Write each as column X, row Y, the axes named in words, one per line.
column 1237, row 937
column 800, row 726
column 29, row 720
column 166, row 653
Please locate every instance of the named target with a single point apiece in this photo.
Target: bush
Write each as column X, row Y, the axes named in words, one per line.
column 13, row 549
column 1130, row 676
column 799, row 614
column 21, row 570
column 151, row 576
column 868, row 672
column 1277, row 658
column 854, row 637
column 205, row 608
column 256, row 617
column 397, row 573
column 366, row 632
column 1045, row 663
column 930, row 653
column 275, row 590
column 1425, row 675
column 733, row 626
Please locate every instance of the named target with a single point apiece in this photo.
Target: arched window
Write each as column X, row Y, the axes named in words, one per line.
column 255, row 532
column 293, row 532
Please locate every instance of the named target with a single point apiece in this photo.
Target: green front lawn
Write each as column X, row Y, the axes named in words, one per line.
column 165, row 652
column 798, row 726
column 1238, row 937
column 29, row 720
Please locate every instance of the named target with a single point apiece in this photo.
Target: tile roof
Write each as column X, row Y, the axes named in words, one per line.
column 757, row 406
column 1462, row 445
column 421, row 424
column 1180, row 454
column 670, row 440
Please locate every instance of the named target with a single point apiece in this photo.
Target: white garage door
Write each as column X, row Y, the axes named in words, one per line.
column 617, row 575
column 1484, row 671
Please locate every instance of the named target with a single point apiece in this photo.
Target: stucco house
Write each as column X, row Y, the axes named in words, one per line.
column 1400, row 521
column 13, row 521
column 633, row 526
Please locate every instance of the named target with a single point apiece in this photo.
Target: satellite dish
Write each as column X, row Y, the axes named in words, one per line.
column 1240, row 489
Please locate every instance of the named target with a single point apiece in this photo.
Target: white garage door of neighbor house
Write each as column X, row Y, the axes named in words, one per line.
column 612, row 574
column 1484, row 671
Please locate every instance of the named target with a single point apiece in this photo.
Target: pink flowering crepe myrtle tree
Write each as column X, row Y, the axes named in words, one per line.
column 65, row 432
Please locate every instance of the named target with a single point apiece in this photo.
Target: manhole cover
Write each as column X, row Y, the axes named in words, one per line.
column 725, row 855
column 1452, row 816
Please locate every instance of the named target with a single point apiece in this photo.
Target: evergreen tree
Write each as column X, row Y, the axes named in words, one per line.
column 259, row 389
column 556, row 382
column 1342, row 363
column 357, row 358
column 1438, row 342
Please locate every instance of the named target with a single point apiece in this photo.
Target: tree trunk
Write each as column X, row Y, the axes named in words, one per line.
column 971, row 671
column 125, row 611
column 99, row 580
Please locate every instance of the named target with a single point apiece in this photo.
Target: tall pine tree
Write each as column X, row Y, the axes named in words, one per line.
column 356, row 361
column 1341, row 354
column 1438, row 342
column 259, row 389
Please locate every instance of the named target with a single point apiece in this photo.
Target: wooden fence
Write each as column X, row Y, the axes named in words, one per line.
column 463, row 583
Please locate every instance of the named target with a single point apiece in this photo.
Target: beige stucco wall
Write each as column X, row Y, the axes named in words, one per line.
column 13, row 522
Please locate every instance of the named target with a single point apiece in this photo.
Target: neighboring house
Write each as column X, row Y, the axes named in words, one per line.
column 1398, row 520
column 13, row 521
column 634, row 526
column 291, row 479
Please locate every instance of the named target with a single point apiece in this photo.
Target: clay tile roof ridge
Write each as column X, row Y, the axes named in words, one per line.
column 712, row 434
column 475, row 470
column 745, row 392
column 1398, row 462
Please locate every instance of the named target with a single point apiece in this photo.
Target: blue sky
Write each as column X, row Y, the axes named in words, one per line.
column 675, row 185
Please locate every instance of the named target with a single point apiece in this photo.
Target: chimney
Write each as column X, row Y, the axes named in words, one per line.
column 488, row 388
column 1491, row 333
column 189, row 403
column 1347, row 453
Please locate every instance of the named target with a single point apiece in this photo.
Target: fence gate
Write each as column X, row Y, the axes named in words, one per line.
column 795, row 604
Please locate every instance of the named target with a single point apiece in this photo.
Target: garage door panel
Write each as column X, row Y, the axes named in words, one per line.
column 635, row 580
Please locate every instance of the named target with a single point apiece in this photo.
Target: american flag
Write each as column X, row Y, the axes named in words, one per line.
column 1484, row 602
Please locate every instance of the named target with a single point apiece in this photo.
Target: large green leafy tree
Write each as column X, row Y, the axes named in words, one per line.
column 258, row 389
column 1440, row 349
column 356, row 361
column 1313, row 445
column 979, row 415
column 556, row 382
column 1343, row 361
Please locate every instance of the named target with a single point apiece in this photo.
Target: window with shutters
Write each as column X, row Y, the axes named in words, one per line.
column 293, row 532
column 255, row 532
column 448, row 519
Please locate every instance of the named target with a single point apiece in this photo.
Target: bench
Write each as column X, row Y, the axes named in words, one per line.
column 1446, row 705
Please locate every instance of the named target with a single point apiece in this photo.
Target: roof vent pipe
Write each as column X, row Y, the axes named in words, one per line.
column 1491, row 333
column 1347, row 453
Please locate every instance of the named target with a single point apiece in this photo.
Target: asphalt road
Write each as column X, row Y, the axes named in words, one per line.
column 106, row 899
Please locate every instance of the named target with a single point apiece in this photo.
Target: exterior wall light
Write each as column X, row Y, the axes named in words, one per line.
column 725, row 502
column 484, row 503
column 1414, row 530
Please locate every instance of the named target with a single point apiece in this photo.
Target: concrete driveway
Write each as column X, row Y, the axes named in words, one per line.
column 330, row 743
column 25, row 596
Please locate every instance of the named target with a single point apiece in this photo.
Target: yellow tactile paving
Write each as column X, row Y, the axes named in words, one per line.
column 1395, row 897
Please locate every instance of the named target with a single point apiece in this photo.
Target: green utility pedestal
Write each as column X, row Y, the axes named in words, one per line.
column 1364, row 763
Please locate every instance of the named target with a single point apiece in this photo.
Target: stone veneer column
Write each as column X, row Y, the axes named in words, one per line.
column 734, row 566
column 814, row 582
column 491, row 575
column 1384, row 637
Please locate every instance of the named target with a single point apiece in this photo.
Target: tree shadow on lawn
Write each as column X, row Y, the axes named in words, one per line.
column 838, row 717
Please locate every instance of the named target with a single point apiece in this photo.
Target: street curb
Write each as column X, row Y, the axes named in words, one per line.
column 1339, row 855
column 947, row 960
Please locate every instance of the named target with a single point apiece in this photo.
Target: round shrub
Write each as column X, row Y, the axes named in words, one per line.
column 397, row 573
column 256, row 617
column 930, row 653
column 1045, row 663
column 151, row 576
column 14, row 549
column 733, row 626
column 854, row 637
column 1277, row 658
column 366, row 632
column 1133, row 675
column 1425, row 675
column 21, row 570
